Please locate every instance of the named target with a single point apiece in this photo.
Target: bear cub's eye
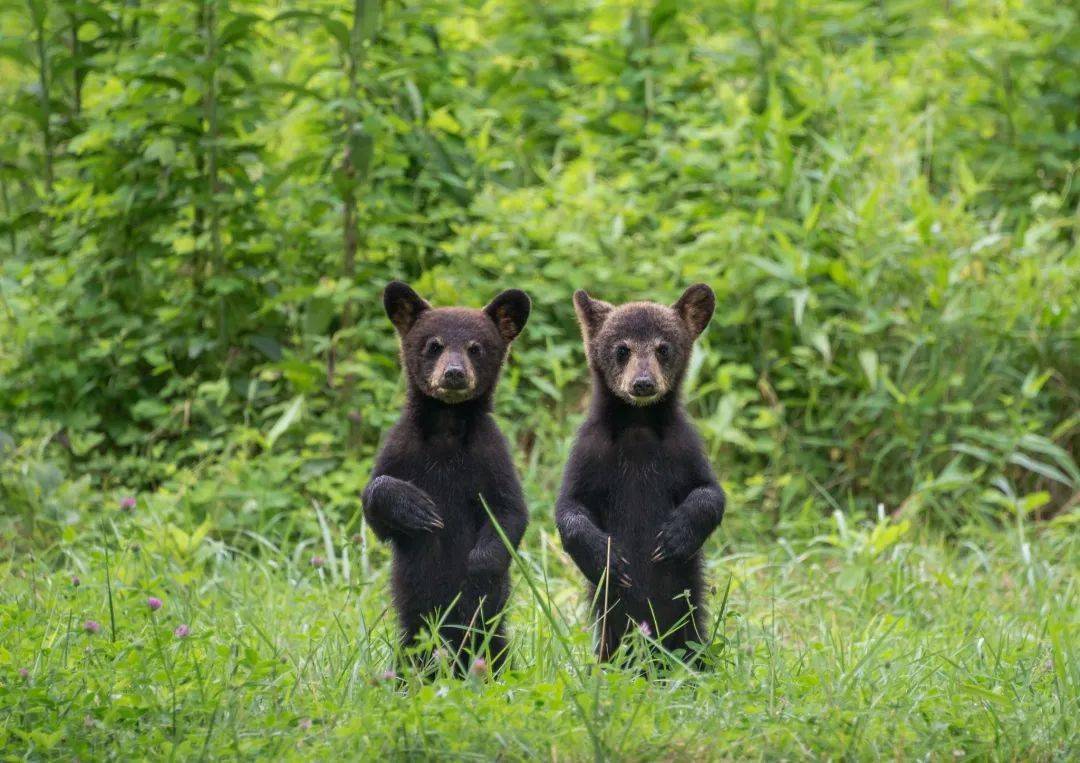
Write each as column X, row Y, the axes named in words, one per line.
column 474, row 349
column 663, row 351
column 622, row 353
column 433, row 347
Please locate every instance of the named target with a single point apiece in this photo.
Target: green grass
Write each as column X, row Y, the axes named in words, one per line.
column 874, row 641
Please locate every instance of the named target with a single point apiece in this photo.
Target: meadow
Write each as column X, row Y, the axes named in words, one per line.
column 201, row 200
column 860, row 643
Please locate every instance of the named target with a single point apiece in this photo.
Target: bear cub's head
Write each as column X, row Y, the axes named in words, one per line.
column 454, row 354
column 640, row 350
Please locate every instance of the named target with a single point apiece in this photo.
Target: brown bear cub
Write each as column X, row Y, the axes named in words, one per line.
column 439, row 464
column 639, row 497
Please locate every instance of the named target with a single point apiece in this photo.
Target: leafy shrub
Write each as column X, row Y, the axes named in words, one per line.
column 204, row 200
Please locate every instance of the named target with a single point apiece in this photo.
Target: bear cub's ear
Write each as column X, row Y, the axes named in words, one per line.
column 509, row 311
column 695, row 307
column 403, row 305
column 591, row 313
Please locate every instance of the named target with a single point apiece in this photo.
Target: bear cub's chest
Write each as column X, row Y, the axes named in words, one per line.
column 644, row 483
column 455, row 480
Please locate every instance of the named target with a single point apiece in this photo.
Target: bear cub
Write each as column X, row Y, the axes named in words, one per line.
column 639, row 497
column 438, row 462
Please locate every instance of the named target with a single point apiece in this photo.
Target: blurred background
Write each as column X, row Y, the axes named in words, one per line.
column 200, row 202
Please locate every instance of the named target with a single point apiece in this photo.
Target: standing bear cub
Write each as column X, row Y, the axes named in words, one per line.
column 639, row 497
column 442, row 460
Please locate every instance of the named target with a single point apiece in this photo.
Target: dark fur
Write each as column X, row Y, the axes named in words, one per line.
column 638, row 489
column 438, row 460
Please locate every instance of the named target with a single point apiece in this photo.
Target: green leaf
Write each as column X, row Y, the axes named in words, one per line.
column 335, row 28
column 868, row 359
column 979, row 692
column 663, row 11
column 162, row 150
column 442, row 119
column 1046, row 470
column 286, row 420
column 362, row 147
column 236, row 28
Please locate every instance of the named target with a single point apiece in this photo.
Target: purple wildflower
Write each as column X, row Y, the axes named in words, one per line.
column 154, row 603
column 24, row 674
column 91, row 626
column 305, row 724
column 127, row 503
column 386, row 675
column 75, row 582
column 645, row 629
column 182, row 631
column 317, row 562
column 479, row 667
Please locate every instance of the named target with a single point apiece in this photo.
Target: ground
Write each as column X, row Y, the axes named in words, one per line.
column 874, row 640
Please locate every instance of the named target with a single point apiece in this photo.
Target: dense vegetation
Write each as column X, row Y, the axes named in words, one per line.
column 200, row 201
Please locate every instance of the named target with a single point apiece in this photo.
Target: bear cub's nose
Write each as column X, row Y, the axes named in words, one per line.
column 454, row 378
column 643, row 386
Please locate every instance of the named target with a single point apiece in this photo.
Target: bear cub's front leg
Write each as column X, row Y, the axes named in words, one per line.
column 396, row 507
column 690, row 525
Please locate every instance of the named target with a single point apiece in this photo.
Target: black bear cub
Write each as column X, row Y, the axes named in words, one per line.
column 443, row 457
column 639, row 497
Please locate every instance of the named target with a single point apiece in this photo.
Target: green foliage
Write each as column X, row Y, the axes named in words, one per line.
column 204, row 198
